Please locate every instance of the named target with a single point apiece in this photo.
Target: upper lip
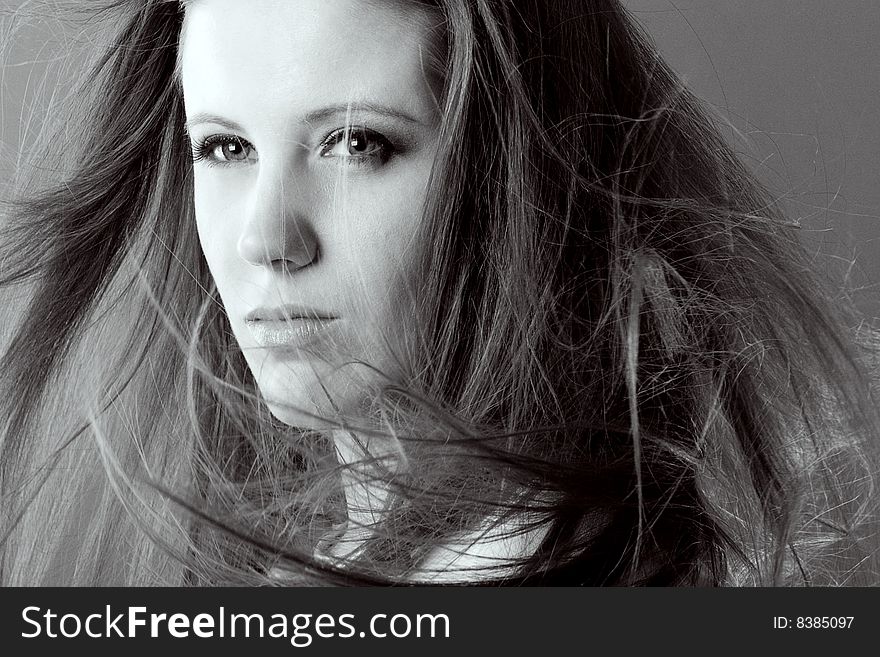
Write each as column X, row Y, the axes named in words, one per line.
column 287, row 311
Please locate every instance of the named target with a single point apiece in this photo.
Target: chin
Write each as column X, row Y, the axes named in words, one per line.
column 296, row 408
column 307, row 404
column 295, row 418
column 311, row 395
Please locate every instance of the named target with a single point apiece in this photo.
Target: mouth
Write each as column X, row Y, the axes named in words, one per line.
column 285, row 313
column 290, row 333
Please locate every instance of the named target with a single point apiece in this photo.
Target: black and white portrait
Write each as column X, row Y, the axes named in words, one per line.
column 498, row 292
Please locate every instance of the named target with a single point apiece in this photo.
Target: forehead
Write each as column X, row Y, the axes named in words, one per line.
column 307, row 52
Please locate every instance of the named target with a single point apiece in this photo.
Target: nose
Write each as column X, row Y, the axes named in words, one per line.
column 277, row 230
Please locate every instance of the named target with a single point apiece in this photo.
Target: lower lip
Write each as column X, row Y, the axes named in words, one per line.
column 287, row 333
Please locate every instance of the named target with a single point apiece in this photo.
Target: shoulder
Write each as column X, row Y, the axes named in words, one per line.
column 488, row 553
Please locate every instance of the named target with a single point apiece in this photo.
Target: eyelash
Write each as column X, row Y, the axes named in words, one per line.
column 380, row 154
column 203, row 149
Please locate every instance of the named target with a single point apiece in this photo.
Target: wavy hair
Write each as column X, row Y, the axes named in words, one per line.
column 616, row 341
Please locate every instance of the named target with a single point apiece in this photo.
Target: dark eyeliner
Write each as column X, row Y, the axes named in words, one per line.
column 385, row 152
column 203, row 148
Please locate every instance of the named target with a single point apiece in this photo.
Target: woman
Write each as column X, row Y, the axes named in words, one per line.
column 463, row 291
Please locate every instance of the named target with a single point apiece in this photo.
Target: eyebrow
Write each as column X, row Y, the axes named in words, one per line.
column 314, row 116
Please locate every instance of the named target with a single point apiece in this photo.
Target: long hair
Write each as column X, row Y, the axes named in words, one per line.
column 615, row 341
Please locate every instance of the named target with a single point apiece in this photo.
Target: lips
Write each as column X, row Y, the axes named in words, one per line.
column 288, row 328
column 288, row 334
column 286, row 312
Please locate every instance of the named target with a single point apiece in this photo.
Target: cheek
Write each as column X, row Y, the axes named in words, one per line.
column 385, row 217
column 379, row 239
column 215, row 219
column 380, row 277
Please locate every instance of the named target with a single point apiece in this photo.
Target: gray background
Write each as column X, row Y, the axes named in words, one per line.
column 797, row 83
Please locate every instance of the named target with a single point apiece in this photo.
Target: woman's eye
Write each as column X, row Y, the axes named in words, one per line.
column 357, row 145
column 224, row 149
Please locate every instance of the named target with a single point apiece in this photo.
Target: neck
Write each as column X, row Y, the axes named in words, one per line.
column 366, row 493
column 485, row 552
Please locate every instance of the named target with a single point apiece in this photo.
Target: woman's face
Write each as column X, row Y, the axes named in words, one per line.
column 314, row 128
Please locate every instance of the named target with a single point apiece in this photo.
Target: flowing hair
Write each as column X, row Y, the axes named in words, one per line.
column 615, row 343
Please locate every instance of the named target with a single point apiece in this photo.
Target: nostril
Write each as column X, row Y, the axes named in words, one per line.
column 278, row 245
column 293, row 263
